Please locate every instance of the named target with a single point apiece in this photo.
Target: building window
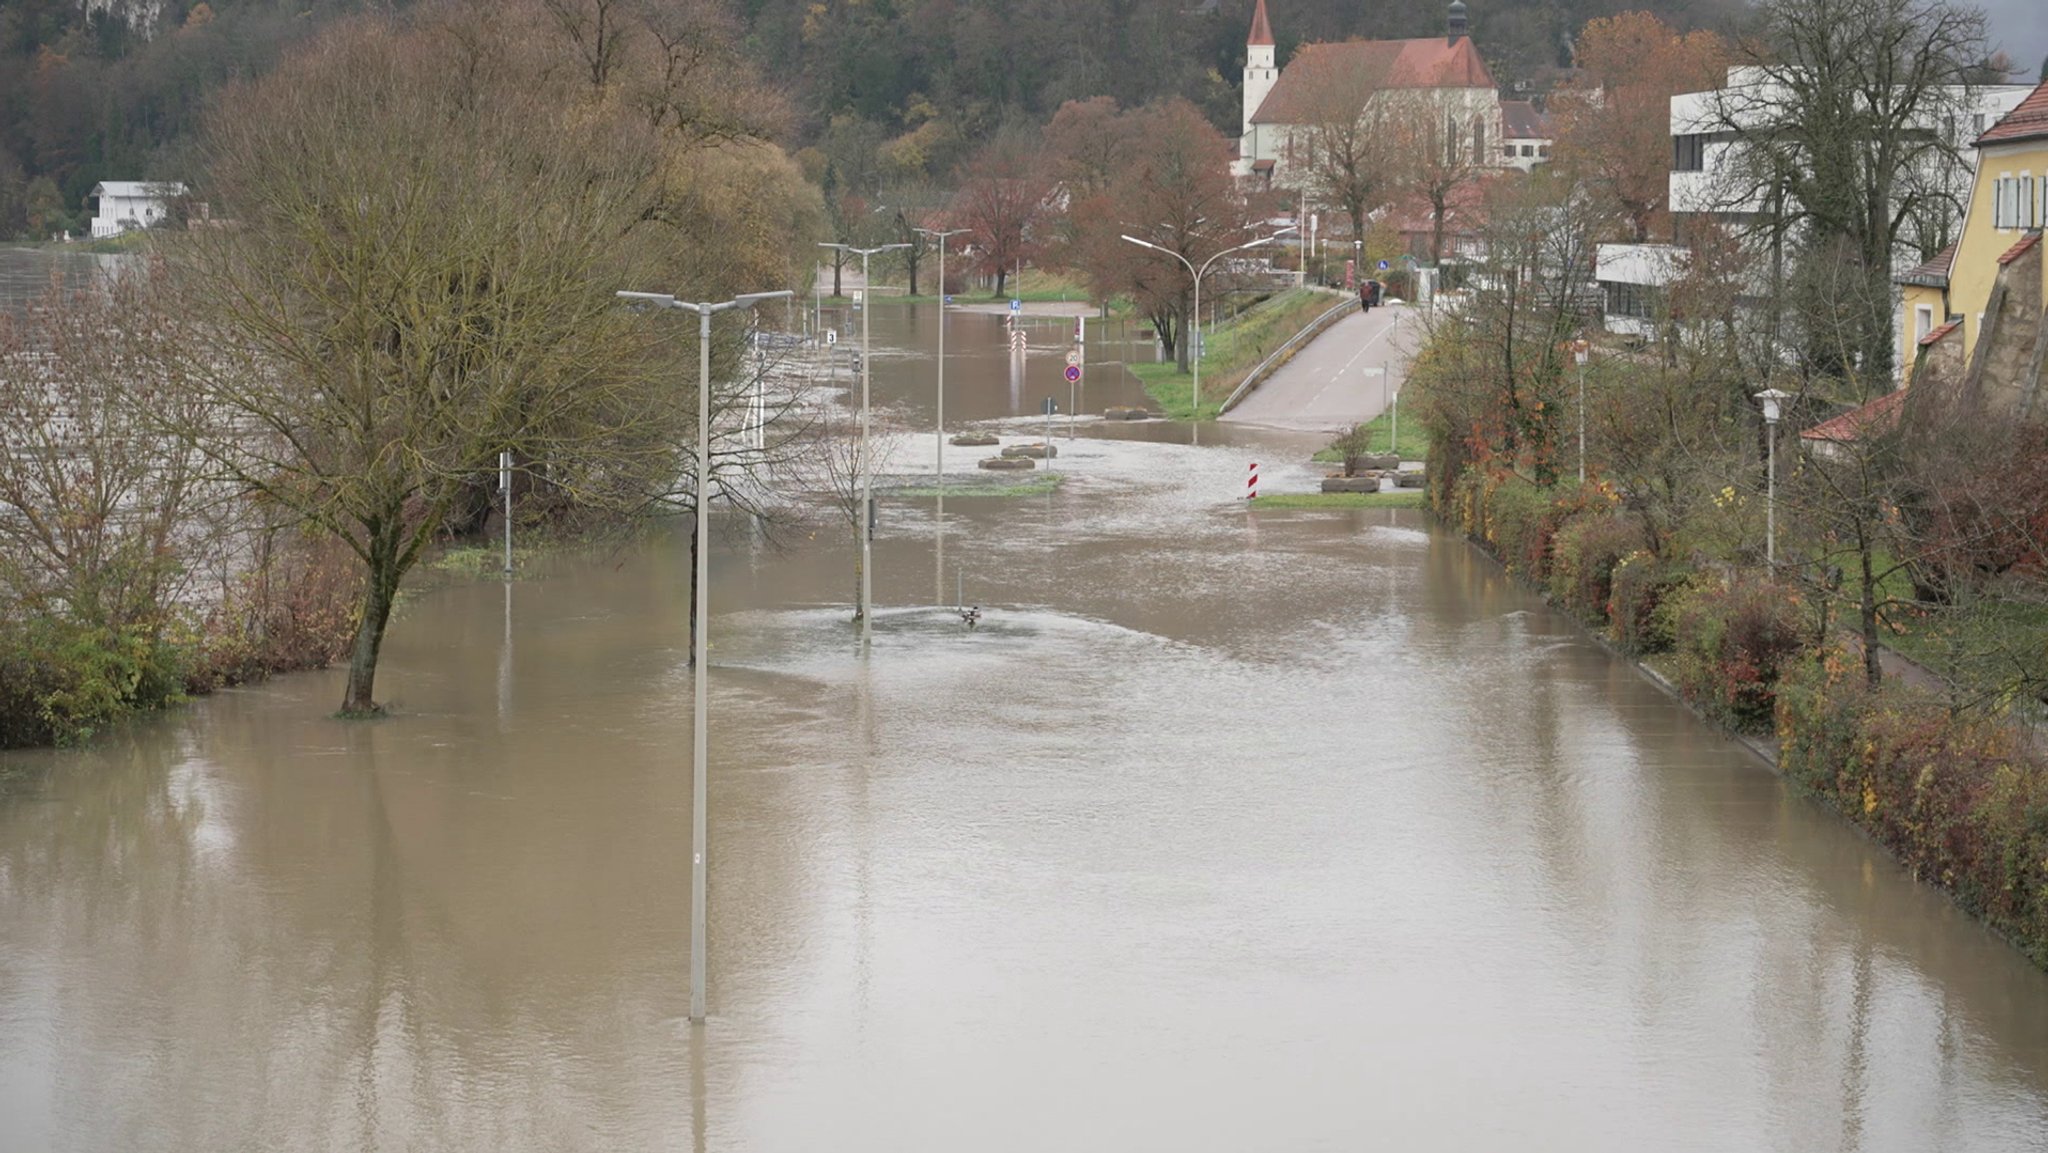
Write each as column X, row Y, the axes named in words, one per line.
column 1923, row 321
column 1633, row 300
column 1977, row 124
column 1543, row 150
column 1528, row 150
column 1508, row 150
column 1689, row 153
column 1998, row 216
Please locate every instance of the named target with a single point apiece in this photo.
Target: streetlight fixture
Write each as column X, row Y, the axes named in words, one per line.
column 941, row 237
column 867, row 496
column 1196, row 388
column 1580, row 348
column 1772, row 399
column 700, row 623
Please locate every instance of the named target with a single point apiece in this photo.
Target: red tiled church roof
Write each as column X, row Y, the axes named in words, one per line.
column 2029, row 121
column 1877, row 416
column 1262, row 29
column 1435, row 62
column 1932, row 273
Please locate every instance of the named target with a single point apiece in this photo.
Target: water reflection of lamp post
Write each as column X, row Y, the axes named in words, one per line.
column 700, row 623
column 1772, row 398
column 1195, row 390
column 867, row 482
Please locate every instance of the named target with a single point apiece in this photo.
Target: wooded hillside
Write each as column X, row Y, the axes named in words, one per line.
column 907, row 85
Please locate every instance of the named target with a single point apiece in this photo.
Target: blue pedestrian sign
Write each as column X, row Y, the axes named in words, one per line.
column 1383, row 266
column 1016, row 306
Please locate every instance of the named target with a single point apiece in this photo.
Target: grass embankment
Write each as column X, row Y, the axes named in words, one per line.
column 1399, row 498
column 1380, row 430
column 1235, row 348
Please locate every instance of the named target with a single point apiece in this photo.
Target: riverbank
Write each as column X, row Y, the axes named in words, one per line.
column 1959, row 799
column 1234, row 348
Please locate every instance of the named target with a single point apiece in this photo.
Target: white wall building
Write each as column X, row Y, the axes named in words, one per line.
column 1526, row 135
column 1709, row 177
column 126, row 204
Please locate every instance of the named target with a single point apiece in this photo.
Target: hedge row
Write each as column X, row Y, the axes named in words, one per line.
column 1730, row 634
column 1961, row 800
column 63, row 678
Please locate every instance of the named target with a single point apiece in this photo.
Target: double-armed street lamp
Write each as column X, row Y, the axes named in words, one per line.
column 867, row 497
column 1195, row 329
column 700, row 617
column 1772, row 400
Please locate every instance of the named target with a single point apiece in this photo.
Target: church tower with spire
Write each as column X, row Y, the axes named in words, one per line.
column 1260, row 74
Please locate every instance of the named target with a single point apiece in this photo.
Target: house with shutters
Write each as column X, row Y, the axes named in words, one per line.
column 1978, row 312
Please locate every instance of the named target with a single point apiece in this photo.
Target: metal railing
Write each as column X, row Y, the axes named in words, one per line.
column 1286, row 351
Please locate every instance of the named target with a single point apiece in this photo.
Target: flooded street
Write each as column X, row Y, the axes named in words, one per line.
column 1226, row 830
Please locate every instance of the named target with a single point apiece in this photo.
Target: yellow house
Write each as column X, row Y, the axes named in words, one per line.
column 1996, row 281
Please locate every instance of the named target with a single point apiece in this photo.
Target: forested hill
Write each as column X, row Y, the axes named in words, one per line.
column 111, row 89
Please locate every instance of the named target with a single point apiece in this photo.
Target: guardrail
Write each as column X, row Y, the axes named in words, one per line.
column 1285, row 352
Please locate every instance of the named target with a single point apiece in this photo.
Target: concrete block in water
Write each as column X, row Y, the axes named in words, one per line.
column 1009, row 463
column 1036, row 450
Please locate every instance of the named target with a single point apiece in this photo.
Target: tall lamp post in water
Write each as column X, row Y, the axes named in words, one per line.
column 1195, row 329
column 700, row 623
column 1772, row 400
column 941, row 237
column 867, row 496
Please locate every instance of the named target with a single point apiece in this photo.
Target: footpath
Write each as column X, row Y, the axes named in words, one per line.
column 1348, row 374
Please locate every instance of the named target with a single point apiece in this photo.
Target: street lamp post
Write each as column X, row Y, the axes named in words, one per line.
column 867, row 495
column 1196, row 388
column 942, row 237
column 1772, row 399
column 700, row 623
column 1579, row 351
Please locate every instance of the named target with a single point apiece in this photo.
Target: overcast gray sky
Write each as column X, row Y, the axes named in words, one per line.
column 2021, row 28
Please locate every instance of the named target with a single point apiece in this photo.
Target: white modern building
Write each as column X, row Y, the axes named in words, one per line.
column 1709, row 176
column 1634, row 279
column 126, row 204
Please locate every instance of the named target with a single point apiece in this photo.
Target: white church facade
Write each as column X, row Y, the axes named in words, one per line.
column 1280, row 104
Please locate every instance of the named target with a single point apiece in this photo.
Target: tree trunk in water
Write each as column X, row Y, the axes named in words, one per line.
column 379, row 594
column 1002, row 278
column 837, row 266
column 856, row 573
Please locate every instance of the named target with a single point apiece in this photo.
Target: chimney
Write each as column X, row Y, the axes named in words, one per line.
column 1458, row 26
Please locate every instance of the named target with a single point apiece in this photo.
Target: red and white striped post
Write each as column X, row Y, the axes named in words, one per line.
column 1251, row 484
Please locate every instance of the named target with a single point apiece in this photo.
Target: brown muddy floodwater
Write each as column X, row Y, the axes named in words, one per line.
column 1225, row 831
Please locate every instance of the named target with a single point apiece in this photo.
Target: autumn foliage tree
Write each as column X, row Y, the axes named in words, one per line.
column 1002, row 192
column 1614, row 121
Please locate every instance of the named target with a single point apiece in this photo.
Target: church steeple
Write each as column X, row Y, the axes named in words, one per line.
column 1260, row 74
column 1262, row 29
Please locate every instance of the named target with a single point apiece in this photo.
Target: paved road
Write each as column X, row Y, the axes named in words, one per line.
column 1343, row 376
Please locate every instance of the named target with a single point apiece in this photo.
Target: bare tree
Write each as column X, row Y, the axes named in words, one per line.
column 1345, row 145
column 1846, row 130
column 421, row 276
